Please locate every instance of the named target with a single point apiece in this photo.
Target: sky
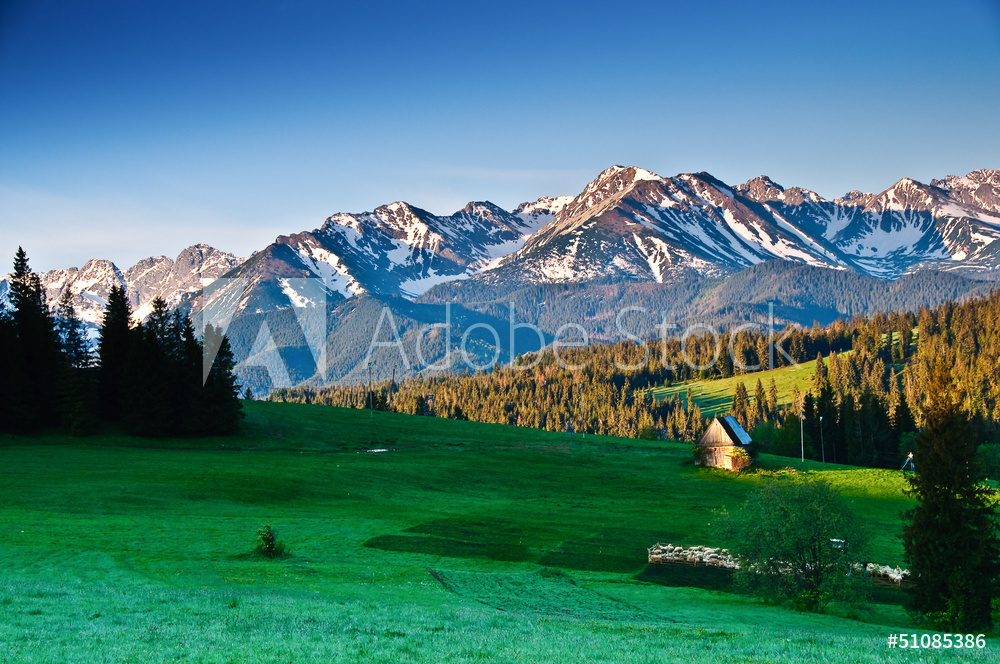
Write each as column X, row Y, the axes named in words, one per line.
column 131, row 129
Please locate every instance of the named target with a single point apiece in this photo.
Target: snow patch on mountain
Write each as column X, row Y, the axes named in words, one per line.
column 415, row 287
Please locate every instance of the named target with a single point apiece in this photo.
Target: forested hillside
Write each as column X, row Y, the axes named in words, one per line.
column 868, row 390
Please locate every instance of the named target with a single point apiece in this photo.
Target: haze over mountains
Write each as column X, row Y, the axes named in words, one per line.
column 664, row 238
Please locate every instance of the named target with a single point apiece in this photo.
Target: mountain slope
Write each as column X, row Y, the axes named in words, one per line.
column 630, row 223
column 402, row 250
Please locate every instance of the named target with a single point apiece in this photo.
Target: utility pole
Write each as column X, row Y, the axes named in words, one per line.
column 371, row 406
column 802, row 435
column 821, row 443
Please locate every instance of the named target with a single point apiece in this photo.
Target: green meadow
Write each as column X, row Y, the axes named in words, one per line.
column 461, row 542
column 714, row 397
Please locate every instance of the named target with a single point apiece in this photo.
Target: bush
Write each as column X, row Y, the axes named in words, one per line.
column 741, row 458
column 268, row 544
column 799, row 541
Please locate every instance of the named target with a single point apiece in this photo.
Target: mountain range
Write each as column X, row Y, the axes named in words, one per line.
column 632, row 224
column 628, row 229
column 171, row 279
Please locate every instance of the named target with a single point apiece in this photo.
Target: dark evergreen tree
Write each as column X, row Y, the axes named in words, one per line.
column 149, row 389
column 760, row 408
column 741, row 405
column 36, row 345
column 951, row 537
column 75, row 403
column 820, row 375
column 112, row 352
column 772, row 399
column 222, row 407
column 76, row 351
column 11, row 370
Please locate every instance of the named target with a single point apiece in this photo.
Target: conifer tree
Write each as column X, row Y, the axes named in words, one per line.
column 10, row 369
column 820, row 375
column 74, row 392
column 223, row 410
column 35, row 343
column 112, row 351
column 951, row 537
column 740, row 408
column 760, row 400
column 75, row 348
column 772, row 398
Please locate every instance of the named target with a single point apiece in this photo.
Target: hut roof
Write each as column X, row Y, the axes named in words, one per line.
column 724, row 432
column 735, row 431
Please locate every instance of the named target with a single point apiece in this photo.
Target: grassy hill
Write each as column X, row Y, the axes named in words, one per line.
column 715, row 396
column 460, row 542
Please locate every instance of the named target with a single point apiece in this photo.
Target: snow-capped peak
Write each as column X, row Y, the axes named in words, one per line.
column 762, row 189
column 544, row 205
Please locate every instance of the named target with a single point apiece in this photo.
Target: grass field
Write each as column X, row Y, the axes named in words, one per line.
column 715, row 396
column 462, row 542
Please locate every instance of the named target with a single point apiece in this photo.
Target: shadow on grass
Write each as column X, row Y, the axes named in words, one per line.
column 619, row 550
column 689, row 576
column 722, row 579
column 493, row 539
column 452, row 548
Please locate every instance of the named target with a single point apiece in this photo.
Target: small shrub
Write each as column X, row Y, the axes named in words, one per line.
column 741, row 458
column 268, row 544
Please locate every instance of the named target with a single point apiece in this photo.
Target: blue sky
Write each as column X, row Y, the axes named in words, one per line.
column 130, row 129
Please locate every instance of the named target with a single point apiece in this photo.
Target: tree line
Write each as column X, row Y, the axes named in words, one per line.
column 865, row 407
column 601, row 389
column 862, row 405
column 147, row 377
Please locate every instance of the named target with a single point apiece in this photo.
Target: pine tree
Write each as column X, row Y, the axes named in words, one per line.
column 740, row 408
column 763, row 353
column 951, row 537
column 223, row 410
column 760, row 401
column 74, row 392
column 186, row 377
column 36, row 344
column 112, row 351
column 75, row 348
column 772, row 399
column 820, row 375
column 10, row 370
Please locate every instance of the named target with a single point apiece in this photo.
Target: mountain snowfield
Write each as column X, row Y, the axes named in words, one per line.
column 629, row 223
column 633, row 224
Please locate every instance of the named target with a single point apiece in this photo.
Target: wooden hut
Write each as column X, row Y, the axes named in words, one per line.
column 724, row 445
